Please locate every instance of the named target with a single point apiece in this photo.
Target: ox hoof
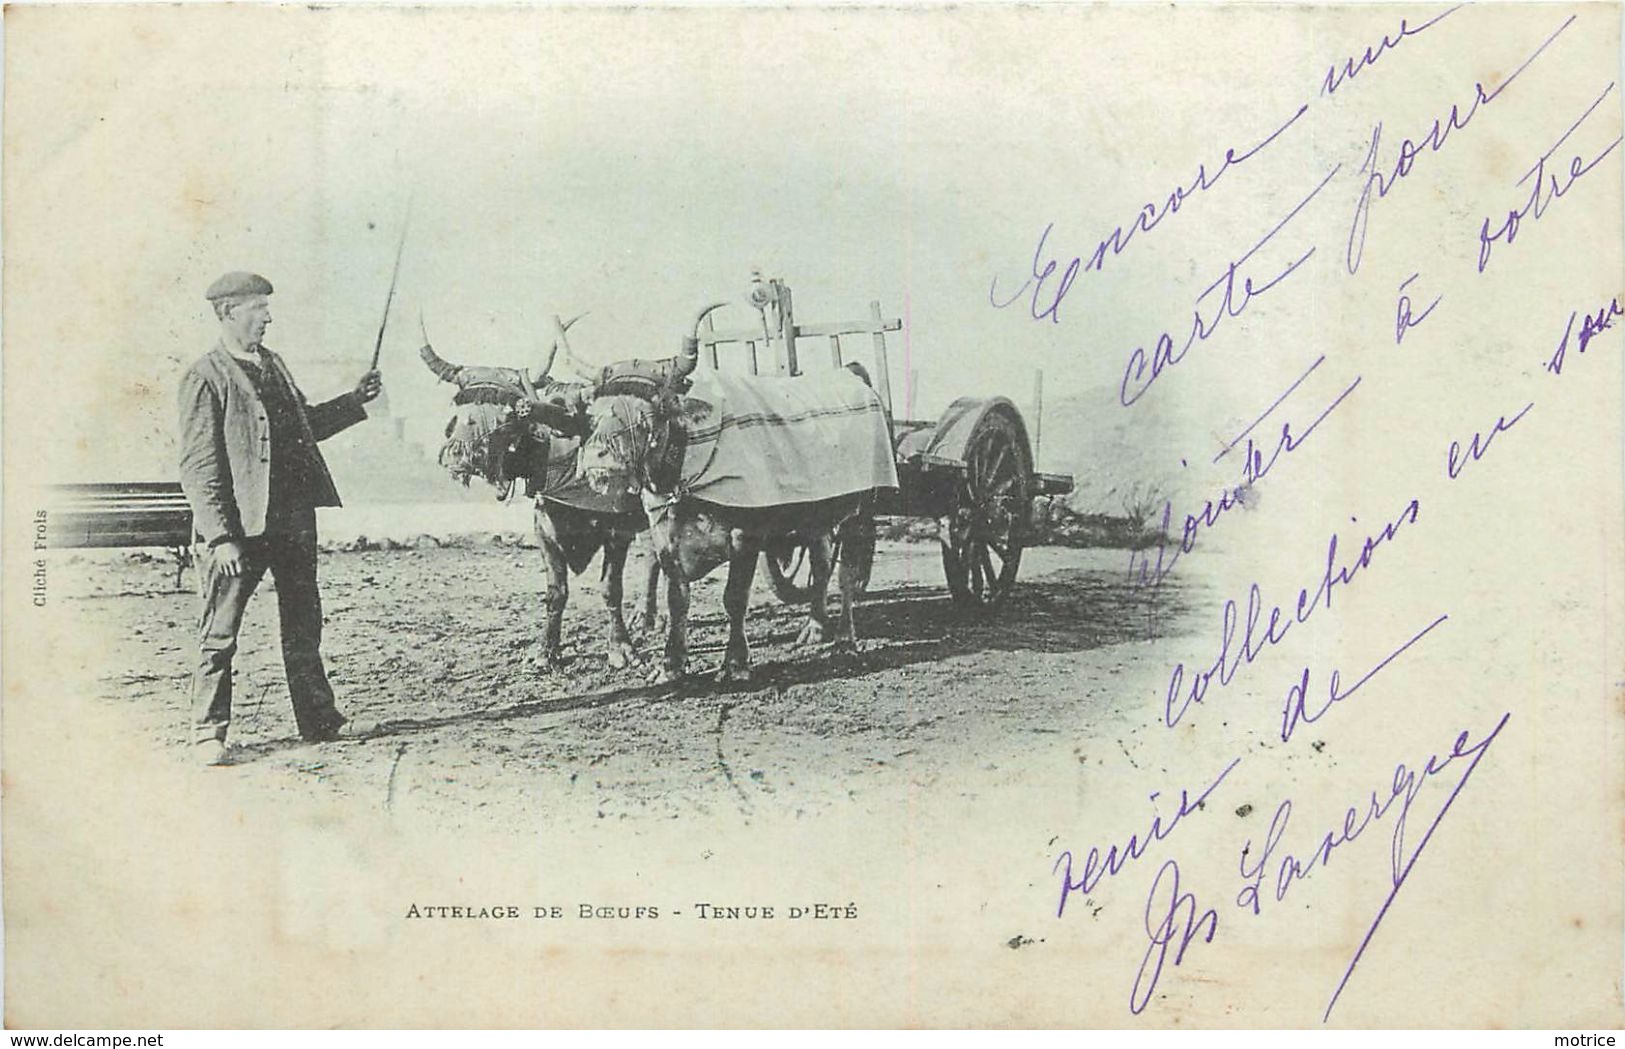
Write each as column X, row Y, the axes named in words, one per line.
column 811, row 636
column 544, row 662
column 646, row 626
column 844, row 646
column 620, row 656
column 734, row 674
column 664, row 675
column 651, row 632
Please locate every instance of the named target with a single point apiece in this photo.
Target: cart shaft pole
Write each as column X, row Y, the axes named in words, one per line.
column 1038, row 414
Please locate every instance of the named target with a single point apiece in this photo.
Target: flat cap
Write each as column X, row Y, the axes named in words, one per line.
column 236, row 285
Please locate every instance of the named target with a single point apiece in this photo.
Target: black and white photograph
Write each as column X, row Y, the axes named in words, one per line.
column 998, row 516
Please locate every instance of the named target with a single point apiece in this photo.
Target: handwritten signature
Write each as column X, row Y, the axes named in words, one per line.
column 1162, row 923
column 1407, row 784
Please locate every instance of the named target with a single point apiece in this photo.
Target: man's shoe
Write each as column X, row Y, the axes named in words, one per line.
column 327, row 733
column 213, row 752
column 340, row 731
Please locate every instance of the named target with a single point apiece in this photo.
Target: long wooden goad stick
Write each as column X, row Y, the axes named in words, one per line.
column 400, row 248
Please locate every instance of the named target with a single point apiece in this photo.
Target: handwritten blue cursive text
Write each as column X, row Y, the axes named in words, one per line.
column 1096, row 869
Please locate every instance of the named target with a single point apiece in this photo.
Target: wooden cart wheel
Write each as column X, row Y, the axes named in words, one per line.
column 790, row 571
column 983, row 535
column 789, row 568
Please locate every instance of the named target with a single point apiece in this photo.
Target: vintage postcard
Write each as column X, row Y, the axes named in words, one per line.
column 1068, row 515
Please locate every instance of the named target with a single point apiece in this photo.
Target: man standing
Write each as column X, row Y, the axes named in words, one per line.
column 254, row 477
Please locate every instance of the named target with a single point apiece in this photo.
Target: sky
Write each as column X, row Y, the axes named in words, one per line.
column 635, row 165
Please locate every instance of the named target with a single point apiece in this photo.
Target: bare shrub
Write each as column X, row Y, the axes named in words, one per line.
column 1142, row 505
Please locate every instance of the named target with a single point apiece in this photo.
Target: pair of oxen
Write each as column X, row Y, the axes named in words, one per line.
column 595, row 455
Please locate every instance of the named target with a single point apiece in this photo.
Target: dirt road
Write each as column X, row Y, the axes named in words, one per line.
column 427, row 649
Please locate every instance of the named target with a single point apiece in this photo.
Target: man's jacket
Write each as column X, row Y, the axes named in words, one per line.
column 226, row 444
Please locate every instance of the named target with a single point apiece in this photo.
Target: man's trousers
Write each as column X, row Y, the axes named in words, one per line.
column 291, row 560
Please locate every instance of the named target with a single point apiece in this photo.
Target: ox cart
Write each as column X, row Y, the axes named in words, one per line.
column 972, row 470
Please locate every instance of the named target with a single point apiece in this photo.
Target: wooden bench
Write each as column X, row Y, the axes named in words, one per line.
column 122, row 514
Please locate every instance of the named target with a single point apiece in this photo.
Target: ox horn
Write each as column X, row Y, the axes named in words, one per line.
column 560, row 327
column 443, row 370
column 689, row 359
